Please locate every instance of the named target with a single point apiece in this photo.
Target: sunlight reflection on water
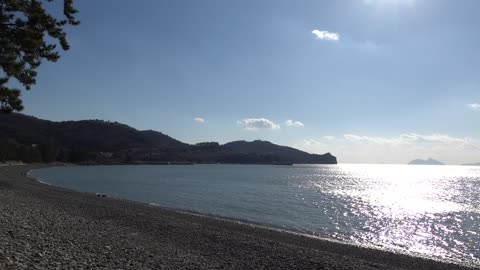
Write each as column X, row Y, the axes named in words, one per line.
column 421, row 209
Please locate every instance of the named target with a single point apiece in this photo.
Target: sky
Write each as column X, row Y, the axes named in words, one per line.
column 371, row 81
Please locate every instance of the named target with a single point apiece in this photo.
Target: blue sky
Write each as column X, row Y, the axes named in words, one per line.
column 368, row 80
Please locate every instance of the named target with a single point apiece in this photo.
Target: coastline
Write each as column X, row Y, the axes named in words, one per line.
column 48, row 227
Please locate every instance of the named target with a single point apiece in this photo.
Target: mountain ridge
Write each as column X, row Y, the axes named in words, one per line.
column 99, row 141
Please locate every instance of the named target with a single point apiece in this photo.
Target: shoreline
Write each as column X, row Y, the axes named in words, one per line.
column 259, row 225
column 220, row 218
column 172, row 238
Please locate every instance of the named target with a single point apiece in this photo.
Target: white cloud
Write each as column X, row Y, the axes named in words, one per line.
column 330, row 138
column 257, row 123
column 199, row 120
column 325, row 35
column 292, row 123
column 474, row 106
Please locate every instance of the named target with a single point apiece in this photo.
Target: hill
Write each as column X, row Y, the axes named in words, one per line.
column 96, row 135
column 31, row 139
column 282, row 153
column 429, row 161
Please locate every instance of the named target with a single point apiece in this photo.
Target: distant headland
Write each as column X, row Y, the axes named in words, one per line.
column 429, row 161
column 30, row 140
column 472, row 164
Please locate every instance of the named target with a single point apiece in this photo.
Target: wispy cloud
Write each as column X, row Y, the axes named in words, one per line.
column 257, row 123
column 367, row 45
column 326, row 35
column 292, row 123
column 375, row 140
column 329, row 138
column 199, row 120
column 409, row 138
column 474, row 106
column 312, row 142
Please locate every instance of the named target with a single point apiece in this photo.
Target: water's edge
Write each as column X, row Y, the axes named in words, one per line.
column 251, row 223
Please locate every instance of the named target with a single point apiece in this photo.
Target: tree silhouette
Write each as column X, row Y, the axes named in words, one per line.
column 28, row 35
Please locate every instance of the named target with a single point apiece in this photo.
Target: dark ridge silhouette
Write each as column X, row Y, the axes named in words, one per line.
column 30, row 139
column 429, row 161
column 283, row 153
column 97, row 135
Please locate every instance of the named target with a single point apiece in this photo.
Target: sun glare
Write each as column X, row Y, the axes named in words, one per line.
column 385, row 3
column 406, row 189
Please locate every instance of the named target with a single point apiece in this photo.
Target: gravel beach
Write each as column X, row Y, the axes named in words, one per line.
column 46, row 227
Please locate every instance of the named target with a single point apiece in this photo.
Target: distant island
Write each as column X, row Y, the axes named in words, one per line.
column 472, row 164
column 30, row 140
column 429, row 161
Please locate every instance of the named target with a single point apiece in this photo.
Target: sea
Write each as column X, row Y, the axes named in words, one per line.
column 427, row 211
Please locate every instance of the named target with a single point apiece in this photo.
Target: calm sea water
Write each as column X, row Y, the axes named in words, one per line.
column 431, row 211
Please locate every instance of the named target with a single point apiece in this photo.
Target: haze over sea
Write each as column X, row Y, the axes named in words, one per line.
column 429, row 211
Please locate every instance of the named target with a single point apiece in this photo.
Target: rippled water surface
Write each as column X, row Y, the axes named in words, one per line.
column 431, row 211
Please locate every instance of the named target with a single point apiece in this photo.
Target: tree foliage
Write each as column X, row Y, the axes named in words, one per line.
column 28, row 35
